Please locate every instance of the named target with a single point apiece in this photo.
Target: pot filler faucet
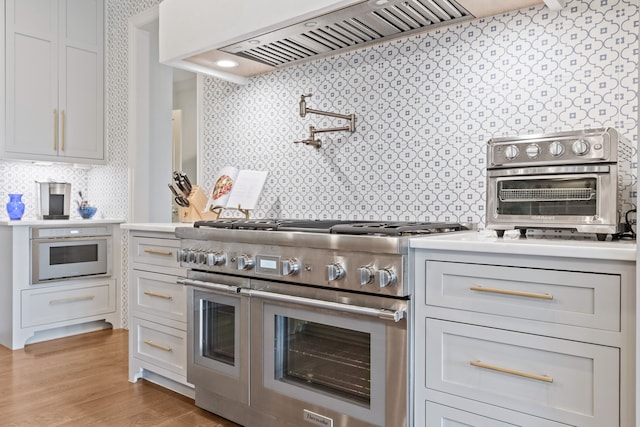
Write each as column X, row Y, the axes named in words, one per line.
column 312, row 140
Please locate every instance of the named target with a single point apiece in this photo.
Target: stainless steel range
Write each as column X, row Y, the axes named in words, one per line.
column 300, row 322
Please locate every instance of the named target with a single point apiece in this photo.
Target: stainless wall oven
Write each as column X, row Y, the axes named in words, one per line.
column 578, row 180
column 61, row 253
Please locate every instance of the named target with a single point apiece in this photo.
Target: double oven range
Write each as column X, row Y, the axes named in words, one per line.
column 296, row 323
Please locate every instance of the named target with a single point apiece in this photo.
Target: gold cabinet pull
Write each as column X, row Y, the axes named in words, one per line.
column 71, row 299
column 510, row 292
column 544, row 378
column 62, row 124
column 153, row 294
column 157, row 252
column 158, row 346
column 55, row 129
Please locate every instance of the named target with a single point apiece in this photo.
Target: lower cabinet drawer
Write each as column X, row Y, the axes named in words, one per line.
column 158, row 294
column 160, row 345
column 447, row 416
column 565, row 381
column 61, row 303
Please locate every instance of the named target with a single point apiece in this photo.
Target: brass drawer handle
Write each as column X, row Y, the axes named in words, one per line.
column 72, row 299
column 544, row 378
column 153, row 294
column 157, row 252
column 509, row 292
column 158, row 346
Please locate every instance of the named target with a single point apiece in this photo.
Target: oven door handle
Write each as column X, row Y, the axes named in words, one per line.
column 210, row 286
column 381, row 313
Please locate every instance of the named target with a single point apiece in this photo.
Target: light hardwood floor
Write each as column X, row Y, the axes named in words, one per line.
column 82, row 381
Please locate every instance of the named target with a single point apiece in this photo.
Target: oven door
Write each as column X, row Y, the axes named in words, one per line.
column 218, row 341
column 59, row 259
column 324, row 357
column 583, row 198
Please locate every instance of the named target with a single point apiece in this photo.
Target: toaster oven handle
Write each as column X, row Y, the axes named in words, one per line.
column 209, row 286
column 395, row 315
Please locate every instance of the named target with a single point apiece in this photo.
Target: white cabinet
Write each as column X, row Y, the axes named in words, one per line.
column 523, row 340
column 54, row 80
column 38, row 312
column 157, row 312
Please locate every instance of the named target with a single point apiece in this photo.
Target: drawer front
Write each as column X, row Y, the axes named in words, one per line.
column 57, row 304
column 564, row 297
column 156, row 251
column 445, row 416
column 159, row 294
column 564, row 381
column 160, row 345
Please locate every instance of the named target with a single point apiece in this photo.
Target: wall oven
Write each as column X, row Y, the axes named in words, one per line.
column 69, row 252
column 578, row 180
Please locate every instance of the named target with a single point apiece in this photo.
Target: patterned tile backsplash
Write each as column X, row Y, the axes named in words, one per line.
column 425, row 107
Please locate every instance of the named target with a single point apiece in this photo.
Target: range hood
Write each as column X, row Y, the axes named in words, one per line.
column 261, row 36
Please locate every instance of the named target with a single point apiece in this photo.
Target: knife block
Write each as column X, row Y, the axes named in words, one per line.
column 194, row 212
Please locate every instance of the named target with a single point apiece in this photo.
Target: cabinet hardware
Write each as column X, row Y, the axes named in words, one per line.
column 72, row 299
column 62, row 124
column 157, row 252
column 158, row 346
column 55, row 129
column 510, row 292
column 153, row 294
column 544, row 378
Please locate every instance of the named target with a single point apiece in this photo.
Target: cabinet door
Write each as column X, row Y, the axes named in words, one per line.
column 32, row 78
column 81, row 79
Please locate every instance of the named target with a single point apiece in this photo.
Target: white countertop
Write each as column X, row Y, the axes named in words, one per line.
column 59, row 222
column 548, row 245
column 166, row 227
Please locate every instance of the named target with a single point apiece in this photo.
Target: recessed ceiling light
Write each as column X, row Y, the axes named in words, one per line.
column 380, row 2
column 254, row 42
column 226, row 63
column 310, row 24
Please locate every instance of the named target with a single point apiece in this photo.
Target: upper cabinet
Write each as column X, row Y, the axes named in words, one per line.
column 260, row 36
column 54, row 81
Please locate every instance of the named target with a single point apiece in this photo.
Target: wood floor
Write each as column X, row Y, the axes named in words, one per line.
column 82, row 381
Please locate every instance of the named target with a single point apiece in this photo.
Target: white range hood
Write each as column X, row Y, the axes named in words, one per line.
column 261, row 36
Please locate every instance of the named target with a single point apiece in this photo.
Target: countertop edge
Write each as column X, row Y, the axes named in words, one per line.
column 166, row 227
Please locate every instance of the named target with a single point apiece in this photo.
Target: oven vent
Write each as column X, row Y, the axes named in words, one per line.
column 546, row 194
column 354, row 26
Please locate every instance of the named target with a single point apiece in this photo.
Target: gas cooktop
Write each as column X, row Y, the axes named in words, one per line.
column 350, row 227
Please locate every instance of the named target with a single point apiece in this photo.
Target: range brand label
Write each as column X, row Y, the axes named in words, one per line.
column 317, row 419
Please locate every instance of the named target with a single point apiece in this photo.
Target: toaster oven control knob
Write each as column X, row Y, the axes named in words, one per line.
column 245, row 262
column 556, row 149
column 580, row 147
column 533, row 151
column 366, row 275
column 511, row 152
column 386, row 277
column 216, row 258
column 290, row 267
column 335, row 272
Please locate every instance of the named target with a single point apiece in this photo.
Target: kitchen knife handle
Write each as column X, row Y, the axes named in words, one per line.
column 55, row 129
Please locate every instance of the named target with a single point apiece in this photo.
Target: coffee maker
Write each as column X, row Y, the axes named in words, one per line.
column 54, row 200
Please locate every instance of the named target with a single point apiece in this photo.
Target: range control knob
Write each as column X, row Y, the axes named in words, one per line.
column 290, row 267
column 533, row 151
column 245, row 262
column 191, row 256
column 201, row 258
column 367, row 275
column 216, row 258
column 580, row 147
column 386, row 277
column 182, row 255
column 556, row 149
column 511, row 152
column 335, row 272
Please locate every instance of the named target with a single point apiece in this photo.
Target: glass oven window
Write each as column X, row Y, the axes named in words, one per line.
column 553, row 196
column 218, row 336
column 324, row 358
column 59, row 255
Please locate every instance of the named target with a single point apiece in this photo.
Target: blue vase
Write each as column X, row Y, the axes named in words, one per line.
column 15, row 207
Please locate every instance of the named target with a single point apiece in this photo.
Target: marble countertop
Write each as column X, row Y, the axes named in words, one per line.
column 486, row 241
column 168, row 227
column 59, row 222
